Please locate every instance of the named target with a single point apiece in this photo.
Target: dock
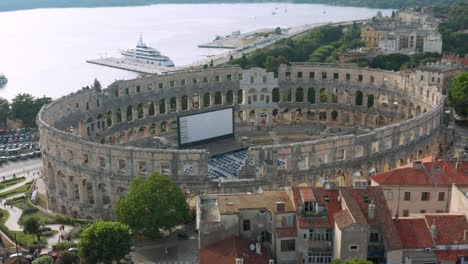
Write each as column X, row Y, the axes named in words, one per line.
column 125, row 64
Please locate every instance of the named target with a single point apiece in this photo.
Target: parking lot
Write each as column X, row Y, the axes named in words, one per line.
column 18, row 144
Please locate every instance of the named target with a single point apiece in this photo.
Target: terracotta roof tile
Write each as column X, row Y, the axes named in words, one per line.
column 450, row 228
column 321, row 195
column 230, row 248
column 414, row 233
column 437, row 172
column 344, row 219
column 450, row 255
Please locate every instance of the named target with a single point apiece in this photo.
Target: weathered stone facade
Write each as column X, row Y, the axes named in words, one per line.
column 88, row 164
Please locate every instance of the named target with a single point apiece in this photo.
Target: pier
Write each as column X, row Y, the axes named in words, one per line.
column 128, row 65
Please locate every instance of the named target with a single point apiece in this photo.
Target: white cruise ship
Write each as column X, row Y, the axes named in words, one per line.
column 148, row 55
column 3, row 79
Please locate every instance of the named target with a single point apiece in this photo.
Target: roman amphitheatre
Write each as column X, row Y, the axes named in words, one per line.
column 226, row 129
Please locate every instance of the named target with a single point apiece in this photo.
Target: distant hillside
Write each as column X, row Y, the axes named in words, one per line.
column 9, row 5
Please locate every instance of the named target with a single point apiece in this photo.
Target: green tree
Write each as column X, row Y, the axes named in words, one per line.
column 458, row 94
column 43, row 260
column 4, row 111
column 97, row 85
column 153, row 204
column 32, row 226
column 22, row 107
column 278, row 31
column 105, row 241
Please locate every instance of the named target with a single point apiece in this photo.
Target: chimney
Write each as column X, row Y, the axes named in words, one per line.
column 434, row 232
column 258, row 249
column 279, row 207
column 371, row 212
column 239, row 261
column 417, row 165
column 271, row 261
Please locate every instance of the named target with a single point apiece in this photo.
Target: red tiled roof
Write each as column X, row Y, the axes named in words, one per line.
column 332, row 206
column 344, row 219
column 414, row 233
column 355, row 200
column 437, row 172
column 450, row 255
column 286, row 232
column 230, row 248
column 307, row 195
column 450, row 228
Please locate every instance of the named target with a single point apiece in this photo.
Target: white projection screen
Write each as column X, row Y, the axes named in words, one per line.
column 205, row 127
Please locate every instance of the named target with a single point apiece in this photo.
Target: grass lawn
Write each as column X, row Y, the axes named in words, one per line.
column 30, row 211
column 11, row 182
column 21, row 189
column 23, row 239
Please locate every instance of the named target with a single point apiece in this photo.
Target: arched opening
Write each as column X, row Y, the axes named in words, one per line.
column 229, row 97
column 129, row 113
column 195, row 101
column 109, row 119
column 184, row 103
column 287, row 95
column 420, row 154
column 370, row 100
column 153, row 129
column 173, row 103
column 151, row 109
column 323, row 95
column 252, row 115
column 359, row 97
column 240, row 96
column 299, row 95
column 163, row 126
column 401, row 162
column 334, row 115
column 334, row 97
column 240, row 115
column 141, row 131
column 275, row 95
column 119, row 115
column 418, row 110
column 162, row 106
column 218, row 100
column 140, row 111
column 380, row 121
column 311, row 95
column 206, row 100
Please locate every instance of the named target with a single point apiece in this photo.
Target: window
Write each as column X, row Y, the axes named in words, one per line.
column 264, row 79
column 142, row 168
column 425, row 196
column 336, row 76
column 122, row 165
column 172, row 83
column 194, row 80
column 138, row 89
column 439, row 211
column 217, row 79
column 182, row 82
column 85, row 158
column 308, row 206
column 265, row 236
column 229, row 77
column 102, row 162
column 353, row 248
column 405, row 212
column 127, row 91
column 161, row 85
column 360, row 77
column 288, row 221
column 407, row 196
column 205, row 79
column 320, row 234
column 270, row 217
column 246, row 225
column 324, row 75
column 240, row 77
column 441, row 196
column 299, row 75
column 319, row 257
column 312, row 75
column 348, row 76
column 374, row 237
column 288, row 75
column 288, row 245
column 422, row 211
column 252, row 79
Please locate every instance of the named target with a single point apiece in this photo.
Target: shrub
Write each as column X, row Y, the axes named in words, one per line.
column 63, row 246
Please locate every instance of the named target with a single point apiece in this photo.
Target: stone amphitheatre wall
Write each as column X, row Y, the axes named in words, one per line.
column 88, row 164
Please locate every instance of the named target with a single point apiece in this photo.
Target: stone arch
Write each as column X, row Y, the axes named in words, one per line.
column 334, row 115
column 418, row 110
column 334, row 96
column 153, row 129
column 195, row 101
column 359, row 98
column 252, row 115
column 311, row 95
column 218, row 99
column 206, row 100
column 129, row 113
column 370, row 100
column 90, row 192
column 323, row 95
column 162, row 106
column 240, row 96
column 163, row 126
column 173, row 104
column 151, row 109
column 119, row 115
column 105, row 198
column 287, row 94
column 140, row 113
column 109, row 119
column 141, row 131
column 240, row 115
column 420, row 154
column 275, row 95
column 299, row 95
column 184, row 102
column 229, row 97
column 380, row 121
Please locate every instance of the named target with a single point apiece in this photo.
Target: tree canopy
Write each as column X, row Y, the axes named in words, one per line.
column 105, row 241
column 153, row 204
column 32, row 226
column 458, row 94
column 43, row 260
column 25, row 107
column 4, row 111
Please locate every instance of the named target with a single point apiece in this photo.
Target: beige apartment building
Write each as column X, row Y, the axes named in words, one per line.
column 424, row 187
